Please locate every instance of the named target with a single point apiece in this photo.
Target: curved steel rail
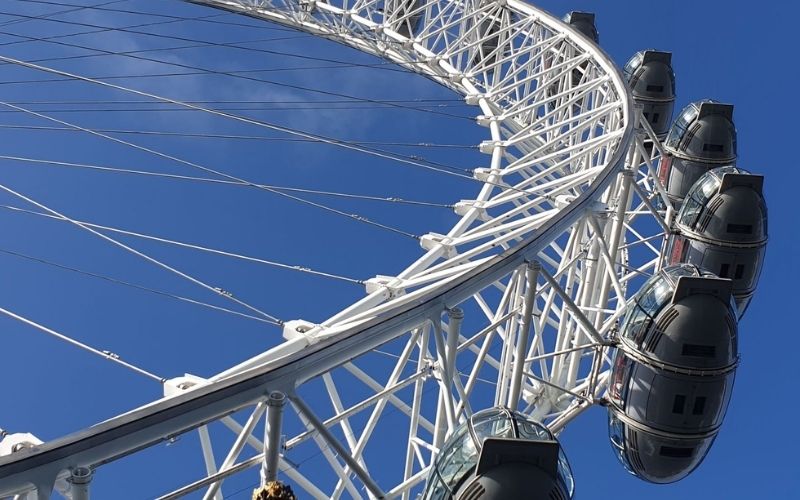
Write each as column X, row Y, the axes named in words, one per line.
column 521, row 106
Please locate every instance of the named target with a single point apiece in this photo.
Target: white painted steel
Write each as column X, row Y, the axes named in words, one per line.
column 561, row 127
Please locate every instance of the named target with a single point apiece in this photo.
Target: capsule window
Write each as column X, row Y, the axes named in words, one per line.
column 740, row 228
column 739, row 272
column 633, row 453
column 675, row 452
column 713, row 148
column 437, row 489
column 699, row 405
column 678, row 129
column 637, row 325
column 655, row 88
column 679, row 404
column 691, row 210
column 723, row 270
column 656, row 116
column 699, row 351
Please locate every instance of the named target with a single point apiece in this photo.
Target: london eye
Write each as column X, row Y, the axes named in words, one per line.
column 361, row 249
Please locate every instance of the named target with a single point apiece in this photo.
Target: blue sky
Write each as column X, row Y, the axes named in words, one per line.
column 730, row 51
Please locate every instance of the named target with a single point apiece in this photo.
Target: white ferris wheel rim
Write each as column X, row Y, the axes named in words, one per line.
column 382, row 315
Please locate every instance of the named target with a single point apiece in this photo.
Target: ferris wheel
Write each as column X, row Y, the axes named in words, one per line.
column 604, row 259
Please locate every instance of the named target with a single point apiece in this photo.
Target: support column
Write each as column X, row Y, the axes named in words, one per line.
column 532, row 274
column 456, row 316
column 79, row 483
column 445, row 383
column 272, row 436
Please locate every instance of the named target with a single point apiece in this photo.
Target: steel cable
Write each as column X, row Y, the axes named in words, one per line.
column 129, row 284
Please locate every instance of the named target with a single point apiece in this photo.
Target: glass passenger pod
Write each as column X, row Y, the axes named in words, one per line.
column 404, row 16
column 723, row 227
column 500, row 454
column 652, row 80
column 584, row 23
column 702, row 137
column 670, row 390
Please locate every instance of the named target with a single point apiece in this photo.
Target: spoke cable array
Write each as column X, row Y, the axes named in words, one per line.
column 100, row 168
column 144, row 256
column 303, row 107
column 232, row 178
column 212, row 18
column 188, row 245
column 236, row 136
column 445, row 169
column 132, row 285
column 410, row 160
column 47, row 15
column 207, row 70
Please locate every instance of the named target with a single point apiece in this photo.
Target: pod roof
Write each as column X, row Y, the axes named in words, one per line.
column 583, row 22
column 650, row 75
column 739, row 217
column 704, row 131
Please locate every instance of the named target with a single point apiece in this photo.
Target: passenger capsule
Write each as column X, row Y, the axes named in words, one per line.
column 583, row 22
column 722, row 227
column 652, row 81
column 404, row 15
column 496, row 455
column 673, row 373
column 703, row 137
